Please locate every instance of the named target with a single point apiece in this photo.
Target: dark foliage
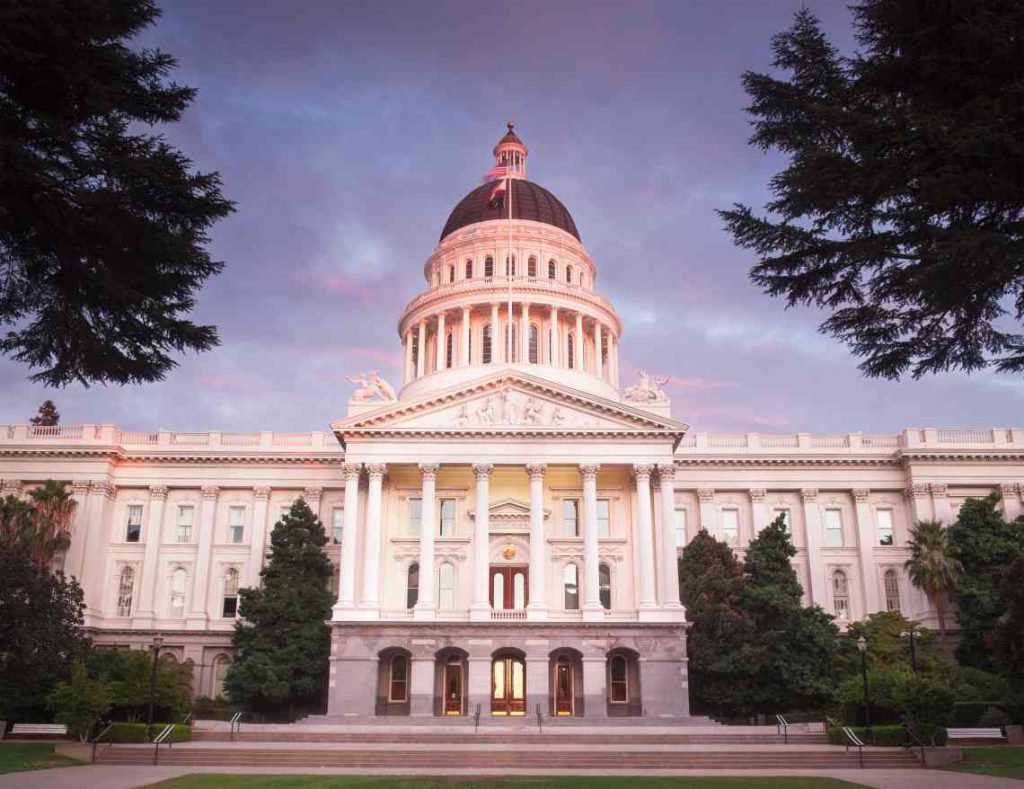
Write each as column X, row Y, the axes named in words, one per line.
column 47, row 416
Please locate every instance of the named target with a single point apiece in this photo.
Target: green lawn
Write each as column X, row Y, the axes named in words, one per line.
column 202, row 781
column 18, row 756
column 1000, row 760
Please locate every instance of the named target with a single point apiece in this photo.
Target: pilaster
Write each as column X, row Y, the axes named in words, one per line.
column 592, row 608
column 147, row 584
column 867, row 538
column 669, row 560
column 812, row 523
column 425, row 605
column 199, row 613
column 257, row 547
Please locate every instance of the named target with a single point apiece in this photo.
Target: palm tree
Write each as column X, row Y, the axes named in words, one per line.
column 932, row 568
column 53, row 512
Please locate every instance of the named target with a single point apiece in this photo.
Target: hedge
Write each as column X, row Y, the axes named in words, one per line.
column 883, row 736
column 136, row 732
column 970, row 714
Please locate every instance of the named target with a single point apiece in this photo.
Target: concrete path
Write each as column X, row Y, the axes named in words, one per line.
column 113, row 777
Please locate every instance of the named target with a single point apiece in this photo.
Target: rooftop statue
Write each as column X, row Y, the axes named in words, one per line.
column 648, row 389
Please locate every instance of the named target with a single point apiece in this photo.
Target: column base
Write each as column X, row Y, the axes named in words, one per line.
column 661, row 614
column 424, row 613
column 480, row 612
column 593, row 612
column 142, row 621
column 355, row 614
column 536, row 612
column 196, row 622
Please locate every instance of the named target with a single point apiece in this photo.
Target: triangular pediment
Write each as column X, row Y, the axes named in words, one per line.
column 508, row 515
column 509, row 402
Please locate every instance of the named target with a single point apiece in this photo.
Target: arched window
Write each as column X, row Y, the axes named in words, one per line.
column 488, row 267
column 571, row 356
column 568, row 274
column 510, row 267
column 510, row 334
column 534, row 348
column 220, row 673
column 398, row 684
column 230, row 609
column 449, row 350
column 415, row 350
column 451, row 273
column 581, row 279
column 892, row 590
column 604, row 352
column 124, row 592
column 469, row 269
column 486, row 359
column 446, row 587
column 571, row 579
column 604, row 585
column 618, row 680
column 531, row 267
column 552, row 269
column 412, row 587
column 179, row 582
column 840, row 595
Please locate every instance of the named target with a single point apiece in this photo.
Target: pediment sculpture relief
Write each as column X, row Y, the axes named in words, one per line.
column 511, row 408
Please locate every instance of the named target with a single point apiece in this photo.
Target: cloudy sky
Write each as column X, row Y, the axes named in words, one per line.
column 346, row 132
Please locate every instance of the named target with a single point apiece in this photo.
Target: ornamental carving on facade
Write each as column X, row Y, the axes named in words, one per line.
column 511, row 408
column 647, row 389
column 372, row 389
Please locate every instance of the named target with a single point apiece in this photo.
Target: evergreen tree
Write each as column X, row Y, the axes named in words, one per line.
column 710, row 582
column 932, row 567
column 985, row 544
column 283, row 640
column 47, row 416
column 103, row 223
column 1007, row 637
column 900, row 212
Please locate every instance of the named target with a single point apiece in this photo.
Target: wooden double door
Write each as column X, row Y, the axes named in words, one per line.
column 453, row 687
column 510, row 589
column 508, row 686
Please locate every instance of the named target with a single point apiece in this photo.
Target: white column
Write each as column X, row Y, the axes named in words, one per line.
column 524, row 334
column 918, row 501
column 613, row 349
column 497, row 340
column 669, row 559
column 428, row 525
column 758, row 510
column 598, row 371
column 371, row 550
column 257, row 548
column 421, row 348
column 439, row 359
column 481, row 608
column 1011, row 501
column 201, row 578
column 592, row 608
column 408, row 371
column 578, row 344
column 349, row 538
column 866, row 540
column 101, row 495
column 553, row 348
column 537, row 608
column 147, row 586
column 464, row 345
column 645, row 539
column 74, row 558
column 706, row 504
column 812, row 523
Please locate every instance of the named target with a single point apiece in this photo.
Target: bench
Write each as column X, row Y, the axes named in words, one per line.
column 48, row 730
column 975, row 735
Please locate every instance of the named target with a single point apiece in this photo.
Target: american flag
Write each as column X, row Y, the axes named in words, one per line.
column 496, row 172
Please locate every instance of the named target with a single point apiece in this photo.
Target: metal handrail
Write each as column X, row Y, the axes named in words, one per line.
column 540, row 724
column 856, row 742
column 189, row 719
column 912, row 739
column 236, row 722
column 782, row 726
column 160, row 739
column 95, row 740
column 476, row 720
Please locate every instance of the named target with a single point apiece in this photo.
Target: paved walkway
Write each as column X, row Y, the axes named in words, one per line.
column 113, row 777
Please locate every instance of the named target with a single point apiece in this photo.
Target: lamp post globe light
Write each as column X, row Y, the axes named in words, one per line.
column 912, row 635
column 157, row 643
column 862, row 647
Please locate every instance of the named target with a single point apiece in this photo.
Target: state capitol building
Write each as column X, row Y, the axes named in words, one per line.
column 505, row 527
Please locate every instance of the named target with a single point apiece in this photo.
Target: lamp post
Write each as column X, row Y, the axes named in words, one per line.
column 157, row 643
column 912, row 635
column 862, row 647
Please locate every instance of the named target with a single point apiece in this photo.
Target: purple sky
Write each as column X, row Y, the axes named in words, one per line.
column 346, row 132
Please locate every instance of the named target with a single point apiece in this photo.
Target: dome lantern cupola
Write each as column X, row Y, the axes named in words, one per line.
column 510, row 152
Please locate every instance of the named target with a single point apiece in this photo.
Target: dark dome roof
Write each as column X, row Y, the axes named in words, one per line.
column 529, row 201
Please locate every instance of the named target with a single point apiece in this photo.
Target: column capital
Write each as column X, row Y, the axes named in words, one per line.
column 809, row 494
column 705, row 495
column 917, row 490
column 351, row 470
column 158, row 492
column 10, row 487
column 1005, row 488
column 104, row 488
column 210, row 492
column 667, row 472
column 757, row 494
column 312, row 494
column 589, row 470
column 80, row 487
column 642, row 470
column 377, row 470
column 429, row 470
column 262, row 492
column 860, row 495
column 483, row 470
column 536, row 470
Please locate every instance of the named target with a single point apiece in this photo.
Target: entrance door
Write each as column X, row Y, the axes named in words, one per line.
column 509, row 588
column 453, row 688
column 508, row 686
column 563, row 687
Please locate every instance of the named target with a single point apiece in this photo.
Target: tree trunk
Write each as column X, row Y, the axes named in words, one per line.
column 940, row 610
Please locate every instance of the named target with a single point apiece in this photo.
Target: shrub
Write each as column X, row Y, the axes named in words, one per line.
column 80, row 702
column 137, row 732
column 884, row 736
column 205, row 708
column 967, row 714
column 929, row 708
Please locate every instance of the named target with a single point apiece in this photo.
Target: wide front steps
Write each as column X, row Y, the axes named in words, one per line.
column 489, row 757
column 298, row 734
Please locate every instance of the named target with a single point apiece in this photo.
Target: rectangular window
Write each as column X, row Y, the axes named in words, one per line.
column 604, row 518
column 680, row 528
column 337, row 524
column 447, row 518
column 833, row 528
column 134, row 522
column 787, row 519
column 884, row 520
column 415, row 515
column 185, row 520
column 285, row 509
column 236, row 524
column 571, row 517
column 730, row 526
